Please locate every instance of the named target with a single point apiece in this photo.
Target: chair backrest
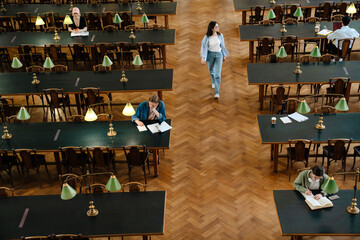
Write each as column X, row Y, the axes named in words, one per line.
column 340, row 147
column 35, row 69
column 346, row 45
column 60, row 68
column 266, row 45
column 104, row 117
column 69, row 157
column 337, row 17
column 126, row 18
column 305, row 59
column 325, row 9
column 27, row 158
column 134, row 187
column 327, row 58
column 312, row 20
column 76, row 118
column 51, row 19
column 52, row 96
column 291, row 8
column 100, row 156
column 107, row 18
column 24, row 20
column 92, row 19
column 75, row 183
column 290, row 43
column 6, row 192
column 257, row 12
column 110, row 28
column 91, row 94
column 101, row 68
column 281, row 93
column 325, row 109
column 341, row 7
column 339, row 84
column 279, row 12
column 77, row 51
column 291, row 105
column 301, row 148
column 54, row 51
column 266, row 22
column 97, row 188
column 135, row 155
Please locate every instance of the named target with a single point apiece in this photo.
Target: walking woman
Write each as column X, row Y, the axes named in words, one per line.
column 213, row 52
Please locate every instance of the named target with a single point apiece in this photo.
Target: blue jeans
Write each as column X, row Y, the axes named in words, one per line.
column 214, row 61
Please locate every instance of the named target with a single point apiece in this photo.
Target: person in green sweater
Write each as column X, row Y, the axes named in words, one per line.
column 309, row 180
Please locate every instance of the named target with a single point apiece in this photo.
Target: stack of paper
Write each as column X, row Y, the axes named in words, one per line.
column 285, row 120
column 79, row 34
column 298, row 117
column 142, row 128
column 163, row 127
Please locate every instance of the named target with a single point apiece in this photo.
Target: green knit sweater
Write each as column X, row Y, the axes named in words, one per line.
column 302, row 183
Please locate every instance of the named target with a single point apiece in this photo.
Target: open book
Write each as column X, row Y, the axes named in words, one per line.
column 163, row 127
column 324, row 32
column 314, row 204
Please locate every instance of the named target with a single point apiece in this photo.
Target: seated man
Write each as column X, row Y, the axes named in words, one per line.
column 342, row 33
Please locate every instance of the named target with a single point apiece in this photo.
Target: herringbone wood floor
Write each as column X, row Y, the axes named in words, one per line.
column 218, row 176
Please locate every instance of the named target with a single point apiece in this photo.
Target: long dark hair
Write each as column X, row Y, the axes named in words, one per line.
column 210, row 29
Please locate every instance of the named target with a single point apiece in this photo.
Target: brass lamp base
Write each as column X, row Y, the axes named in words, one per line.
column 92, row 212
column 283, row 30
column 56, row 36
column 272, row 2
column 132, row 36
column 3, row 9
column 297, row 70
column 6, row 135
column 111, row 132
column 353, row 209
column 138, row 7
column 123, row 78
column 35, row 80
column 320, row 124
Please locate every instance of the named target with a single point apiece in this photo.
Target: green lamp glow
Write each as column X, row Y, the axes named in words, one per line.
column 107, row 61
column 48, row 63
column 39, row 21
column 330, row 186
column 298, row 13
column 137, row 61
column 144, row 19
column 303, row 107
column 16, row 63
column 271, row 14
column 113, row 184
column 315, row 52
column 351, row 9
column 68, row 20
column 117, row 19
column 281, row 53
column 342, row 105
column 67, row 192
column 90, row 115
column 23, row 114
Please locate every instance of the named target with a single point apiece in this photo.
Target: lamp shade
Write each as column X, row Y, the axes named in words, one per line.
column 330, row 186
column 351, row 8
column 90, row 115
column 113, row 184
column 271, row 14
column 303, row 107
column 39, row 21
column 68, row 20
column 128, row 110
column 342, row 105
column 107, row 61
column 67, row 192
column 16, row 63
column 48, row 63
column 137, row 61
column 315, row 52
column 144, row 19
column 298, row 13
column 23, row 114
column 281, row 53
column 117, row 19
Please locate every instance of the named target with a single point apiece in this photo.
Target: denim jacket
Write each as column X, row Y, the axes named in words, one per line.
column 143, row 110
column 205, row 46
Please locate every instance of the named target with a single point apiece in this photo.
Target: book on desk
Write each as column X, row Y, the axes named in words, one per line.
column 314, row 204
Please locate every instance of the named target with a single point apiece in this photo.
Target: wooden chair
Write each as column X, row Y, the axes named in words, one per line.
column 291, row 105
column 312, row 40
column 265, row 46
column 101, row 68
column 60, row 68
column 75, row 183
column 53, row 21
column 356, row 153
column 104, row 117
column 127, row 19
column 7, row 24
column 298, row 151
column 278, row 96
column 290, row 43
column 6, row 192
column 279, row 11
column 266, row 22
column 136, row 156
column 91, row 96
column 107, row 18
column 336, row 149
column 147, row 53
column 290, row 9
column 97, row 188
column 5, row 59
column 290, row 21
column 76, row 118
column 73, row 157
column 328, row 58
column 346, row 47
column 256, row 14
column 7, row 161
column 337, row 17
column 9, row 107
column 124, row 54
column 338, row 85
column 23, row 20
column 340, row 8
column 29, row 56
column 102, row 157
column 55, row 53
column 324, row 10
column 134, row 187
column 30, row 160
column 35, row 69
column 110, row 28
column 79, row 53
column 57, row 99
column 93, row 21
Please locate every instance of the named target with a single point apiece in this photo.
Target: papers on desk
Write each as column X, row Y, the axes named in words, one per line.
column 298, row 117
column 80, row 34
column 142, row 128
column 324, row 32
column 314, row 204
column 285, row 120
column 155, row 128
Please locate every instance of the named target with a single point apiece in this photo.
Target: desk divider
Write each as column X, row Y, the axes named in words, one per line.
column 346, row 71
column 13, row 39
column 35, row 11
column 57, row 135
column 77, row 82
column 24, row 217
column 92, row 38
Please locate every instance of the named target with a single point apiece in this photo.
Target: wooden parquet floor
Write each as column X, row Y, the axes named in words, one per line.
column 218, row 176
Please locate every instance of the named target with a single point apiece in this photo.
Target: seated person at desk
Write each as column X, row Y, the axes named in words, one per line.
column 79, row 23
column 154, row 109
column 342, row 33
column 311, row 179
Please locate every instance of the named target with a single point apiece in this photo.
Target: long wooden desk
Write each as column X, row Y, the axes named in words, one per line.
column 297, row 219
column 262, row 74
column 250, row 33
column 49, row 136
column 39, row 39
column 339, row 125
column 151, row 9
column 120, row 214
column 71, row 82
column 244, row 6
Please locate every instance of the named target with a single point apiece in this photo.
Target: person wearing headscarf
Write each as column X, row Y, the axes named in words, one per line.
column 79, row 23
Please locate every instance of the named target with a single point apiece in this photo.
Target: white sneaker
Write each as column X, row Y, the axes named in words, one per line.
column 216, row 96
column 213, row 85
column 340, row 60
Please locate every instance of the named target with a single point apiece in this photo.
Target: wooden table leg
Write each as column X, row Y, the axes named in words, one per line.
column 166, row 22
column 155, row 159
column 251, row 51
column 276, row 156
column 145, row 237
column 160, row 94
column 78, row 103
column 243, row 17
column 163, row 48
column 347, row 93
column 261, row 96
column 57, row 162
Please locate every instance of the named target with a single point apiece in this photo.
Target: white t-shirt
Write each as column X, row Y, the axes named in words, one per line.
column 214, row 44
column 314, row 185
column 344, row 32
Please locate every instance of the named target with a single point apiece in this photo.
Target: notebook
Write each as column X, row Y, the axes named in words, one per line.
column 337, row 25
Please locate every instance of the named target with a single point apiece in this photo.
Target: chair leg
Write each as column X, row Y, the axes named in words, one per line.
column 317, row 151
column 354, row 160
column 129, row 174
column 290, row 171
column 47, row 170
column 343, row 162
column 323, row 159
column 143, row 167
